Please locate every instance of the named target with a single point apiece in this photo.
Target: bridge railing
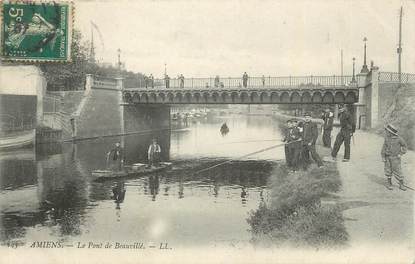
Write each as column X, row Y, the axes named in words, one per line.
column 393, row 77
column 256, row 82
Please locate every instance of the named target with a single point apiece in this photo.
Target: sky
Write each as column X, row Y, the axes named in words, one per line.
column 228, row 37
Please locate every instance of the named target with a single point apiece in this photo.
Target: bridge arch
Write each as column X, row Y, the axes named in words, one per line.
column 351, row 97
column 170, row 95
column 206, row 97
column 264, row 97
column 162, row 97
column 234, row 97
column 339, row 97
column 317, row 97
column 285, row 97
column 152, row 98
column 255, row 98
column 306, row 97
column 274, row 97
column 196, row 97
column 244, row 97
column 215, row 97
column 178, row 98
column 224, row 97
column 128, row 97
column 144, row 98
column 328, row 98
column 295, row 97
column 188, row 97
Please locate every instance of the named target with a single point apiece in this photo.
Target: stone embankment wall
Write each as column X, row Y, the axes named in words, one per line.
column 398, row 107
column 100, row 112
column 100, row 116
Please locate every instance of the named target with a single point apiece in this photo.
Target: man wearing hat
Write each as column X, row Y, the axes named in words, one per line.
column 327, row 117
column 310, row 134
column 153, row 153
column 393, row 147
column 347, row 128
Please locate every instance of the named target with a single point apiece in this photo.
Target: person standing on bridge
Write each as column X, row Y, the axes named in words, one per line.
column 245, row 79
column 347, row 128
column 327, row 127
column 181, row 80
column 263, row 80
column 146, row 81
column 151, row 79
column 217, row 81
column 167, row 80
column 310, row 134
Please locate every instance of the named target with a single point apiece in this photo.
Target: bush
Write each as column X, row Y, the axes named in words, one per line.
column 295, row 215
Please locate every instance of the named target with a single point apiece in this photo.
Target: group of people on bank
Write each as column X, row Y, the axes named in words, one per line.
column 301, row 136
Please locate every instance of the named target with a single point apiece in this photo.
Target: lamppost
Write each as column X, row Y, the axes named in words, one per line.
column 364, row 68
column 119, row 60
column 353, row 76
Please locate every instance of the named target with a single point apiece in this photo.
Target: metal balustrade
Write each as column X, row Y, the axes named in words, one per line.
column 253, row 82
column 393, row 77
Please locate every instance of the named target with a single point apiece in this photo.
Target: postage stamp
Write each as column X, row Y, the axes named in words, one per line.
column 36, row 31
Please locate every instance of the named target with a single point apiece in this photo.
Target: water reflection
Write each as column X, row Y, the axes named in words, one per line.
column 49, row 194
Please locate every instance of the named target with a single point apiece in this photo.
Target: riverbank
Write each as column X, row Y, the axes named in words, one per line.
column 351, row 206
column 298, row 214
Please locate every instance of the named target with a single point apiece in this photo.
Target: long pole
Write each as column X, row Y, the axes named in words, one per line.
column 400, row 48
column 341, row 65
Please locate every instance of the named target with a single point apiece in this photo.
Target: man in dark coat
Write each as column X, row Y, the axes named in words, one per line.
column 116, row 155
column 293, row 146
column 347, row 128
column 287, row 149
column 245, row 79
column 310, row 134
column 327, row 117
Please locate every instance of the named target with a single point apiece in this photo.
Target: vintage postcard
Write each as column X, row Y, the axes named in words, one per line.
column 207, row 131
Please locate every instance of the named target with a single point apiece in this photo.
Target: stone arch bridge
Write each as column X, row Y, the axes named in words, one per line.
column 275, row 90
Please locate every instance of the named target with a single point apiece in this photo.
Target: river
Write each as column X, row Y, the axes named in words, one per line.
column 47, row 194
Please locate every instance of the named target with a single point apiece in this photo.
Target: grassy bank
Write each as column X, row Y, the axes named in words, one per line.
column 295, row 216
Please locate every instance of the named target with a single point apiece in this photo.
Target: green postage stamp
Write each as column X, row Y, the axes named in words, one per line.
column 36, row 31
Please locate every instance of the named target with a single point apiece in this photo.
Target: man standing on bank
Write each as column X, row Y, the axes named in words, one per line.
column 327, row 117
column 347, row 128
column 310, row 134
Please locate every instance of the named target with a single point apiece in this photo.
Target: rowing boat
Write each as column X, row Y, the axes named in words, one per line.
column 137, row 169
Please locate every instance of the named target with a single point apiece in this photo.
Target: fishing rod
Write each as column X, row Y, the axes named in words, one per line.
column 248, row 141
column 247, row 155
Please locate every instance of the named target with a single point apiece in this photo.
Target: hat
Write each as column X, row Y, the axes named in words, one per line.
column 307, row 114
column 342, row 107
column 391, row 129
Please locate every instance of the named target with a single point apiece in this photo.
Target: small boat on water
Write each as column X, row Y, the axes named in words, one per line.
column 137, row 169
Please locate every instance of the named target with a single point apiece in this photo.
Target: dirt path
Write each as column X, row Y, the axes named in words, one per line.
column 375, row 215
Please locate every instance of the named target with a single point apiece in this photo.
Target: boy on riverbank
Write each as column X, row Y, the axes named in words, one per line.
column 393, row 148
